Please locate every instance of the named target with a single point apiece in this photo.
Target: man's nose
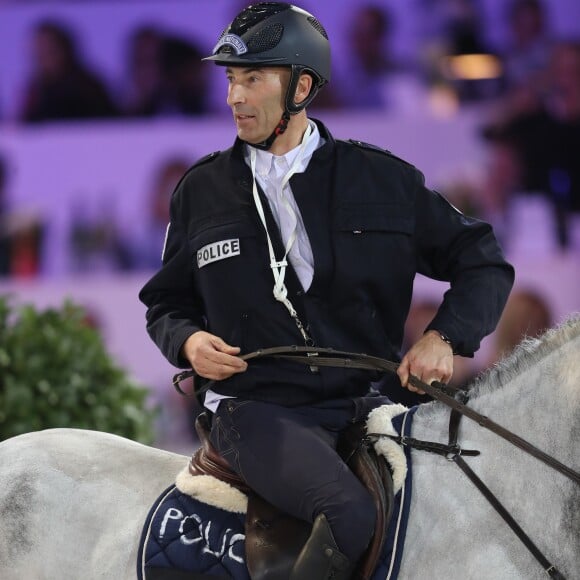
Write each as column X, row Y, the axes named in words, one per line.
column 235, row 95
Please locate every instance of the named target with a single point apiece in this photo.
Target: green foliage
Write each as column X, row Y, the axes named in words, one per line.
column 56, row 372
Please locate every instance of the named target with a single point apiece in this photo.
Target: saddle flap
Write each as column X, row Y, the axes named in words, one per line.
column 273, row 540
column 374, row 474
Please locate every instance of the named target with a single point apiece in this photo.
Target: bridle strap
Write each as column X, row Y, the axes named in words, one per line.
column 316, row 356
column 549, row 568
column 457, row 458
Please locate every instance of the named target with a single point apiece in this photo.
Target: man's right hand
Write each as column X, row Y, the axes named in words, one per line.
column 212, row 358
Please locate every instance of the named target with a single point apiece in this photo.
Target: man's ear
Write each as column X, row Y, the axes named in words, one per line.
column 303, row 88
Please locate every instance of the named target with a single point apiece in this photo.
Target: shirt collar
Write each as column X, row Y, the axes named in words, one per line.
column 265, row 159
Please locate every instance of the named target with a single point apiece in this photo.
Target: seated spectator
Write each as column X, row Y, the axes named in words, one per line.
column 564, row 170
column 528, row 51
column 502, row 179
column 167, row 175
column 61, row 86
column 369, row 61
column 526, row 315
column 166, row 76
column 564, row 106
column 144, row 72
column 546, row 133
column 96, row 241
column 21, row 237
column 185, row 87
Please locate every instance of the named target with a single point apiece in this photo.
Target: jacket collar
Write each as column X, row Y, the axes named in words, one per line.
column 321, row 154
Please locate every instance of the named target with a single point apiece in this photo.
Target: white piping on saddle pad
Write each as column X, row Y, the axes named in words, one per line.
column 148, row 534
column 399, row 515
column 210, row 490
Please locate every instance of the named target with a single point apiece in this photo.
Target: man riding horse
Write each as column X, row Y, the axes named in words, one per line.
column 291, row 237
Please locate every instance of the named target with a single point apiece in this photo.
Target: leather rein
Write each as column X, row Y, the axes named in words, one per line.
column 315, row 357
column 454, row 398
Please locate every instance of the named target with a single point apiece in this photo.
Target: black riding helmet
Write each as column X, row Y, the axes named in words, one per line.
column 277, row 34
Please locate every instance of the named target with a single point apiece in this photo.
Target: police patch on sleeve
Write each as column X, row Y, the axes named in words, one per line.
column 217, row 251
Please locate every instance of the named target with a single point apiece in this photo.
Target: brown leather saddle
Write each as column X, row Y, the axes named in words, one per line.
column 274, row 539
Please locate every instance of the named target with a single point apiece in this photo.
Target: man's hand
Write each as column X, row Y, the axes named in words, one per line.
column 429, row 359
column 211, row 357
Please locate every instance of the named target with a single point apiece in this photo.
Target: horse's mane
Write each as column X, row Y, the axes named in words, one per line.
column 528, row 353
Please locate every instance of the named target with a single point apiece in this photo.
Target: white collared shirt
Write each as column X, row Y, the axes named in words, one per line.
column 270, row 171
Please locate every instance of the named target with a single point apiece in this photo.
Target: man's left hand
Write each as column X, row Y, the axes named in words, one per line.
column 429, row 359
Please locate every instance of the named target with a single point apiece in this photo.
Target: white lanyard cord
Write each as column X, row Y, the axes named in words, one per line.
column 279, row 267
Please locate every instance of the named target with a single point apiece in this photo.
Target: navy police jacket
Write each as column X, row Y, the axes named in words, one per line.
column 372, row 225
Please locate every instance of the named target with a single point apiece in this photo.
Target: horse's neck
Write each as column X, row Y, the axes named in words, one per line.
column 538, row 398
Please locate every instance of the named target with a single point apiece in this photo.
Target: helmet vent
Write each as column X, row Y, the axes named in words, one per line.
column 267, row 39
column 318, row 26
column 254, row 14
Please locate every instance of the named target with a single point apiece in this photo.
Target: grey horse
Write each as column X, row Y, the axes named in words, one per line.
column 73, row 502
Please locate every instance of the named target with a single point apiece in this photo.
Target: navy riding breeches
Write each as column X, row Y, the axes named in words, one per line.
column 288, row 456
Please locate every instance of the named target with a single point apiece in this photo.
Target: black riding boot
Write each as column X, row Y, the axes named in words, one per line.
column 320, row 558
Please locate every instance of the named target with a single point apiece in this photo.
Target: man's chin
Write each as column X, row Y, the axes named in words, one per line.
column 251, row 138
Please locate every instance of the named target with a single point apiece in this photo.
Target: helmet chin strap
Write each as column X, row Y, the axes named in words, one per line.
column 280, row 128
column 290, row 107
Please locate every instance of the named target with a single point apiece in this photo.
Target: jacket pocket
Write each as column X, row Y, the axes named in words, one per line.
column 374, row 217
column 373, row 242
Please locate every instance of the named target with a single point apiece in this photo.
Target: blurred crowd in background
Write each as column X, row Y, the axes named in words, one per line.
column 528, row 90
column 164, row 74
